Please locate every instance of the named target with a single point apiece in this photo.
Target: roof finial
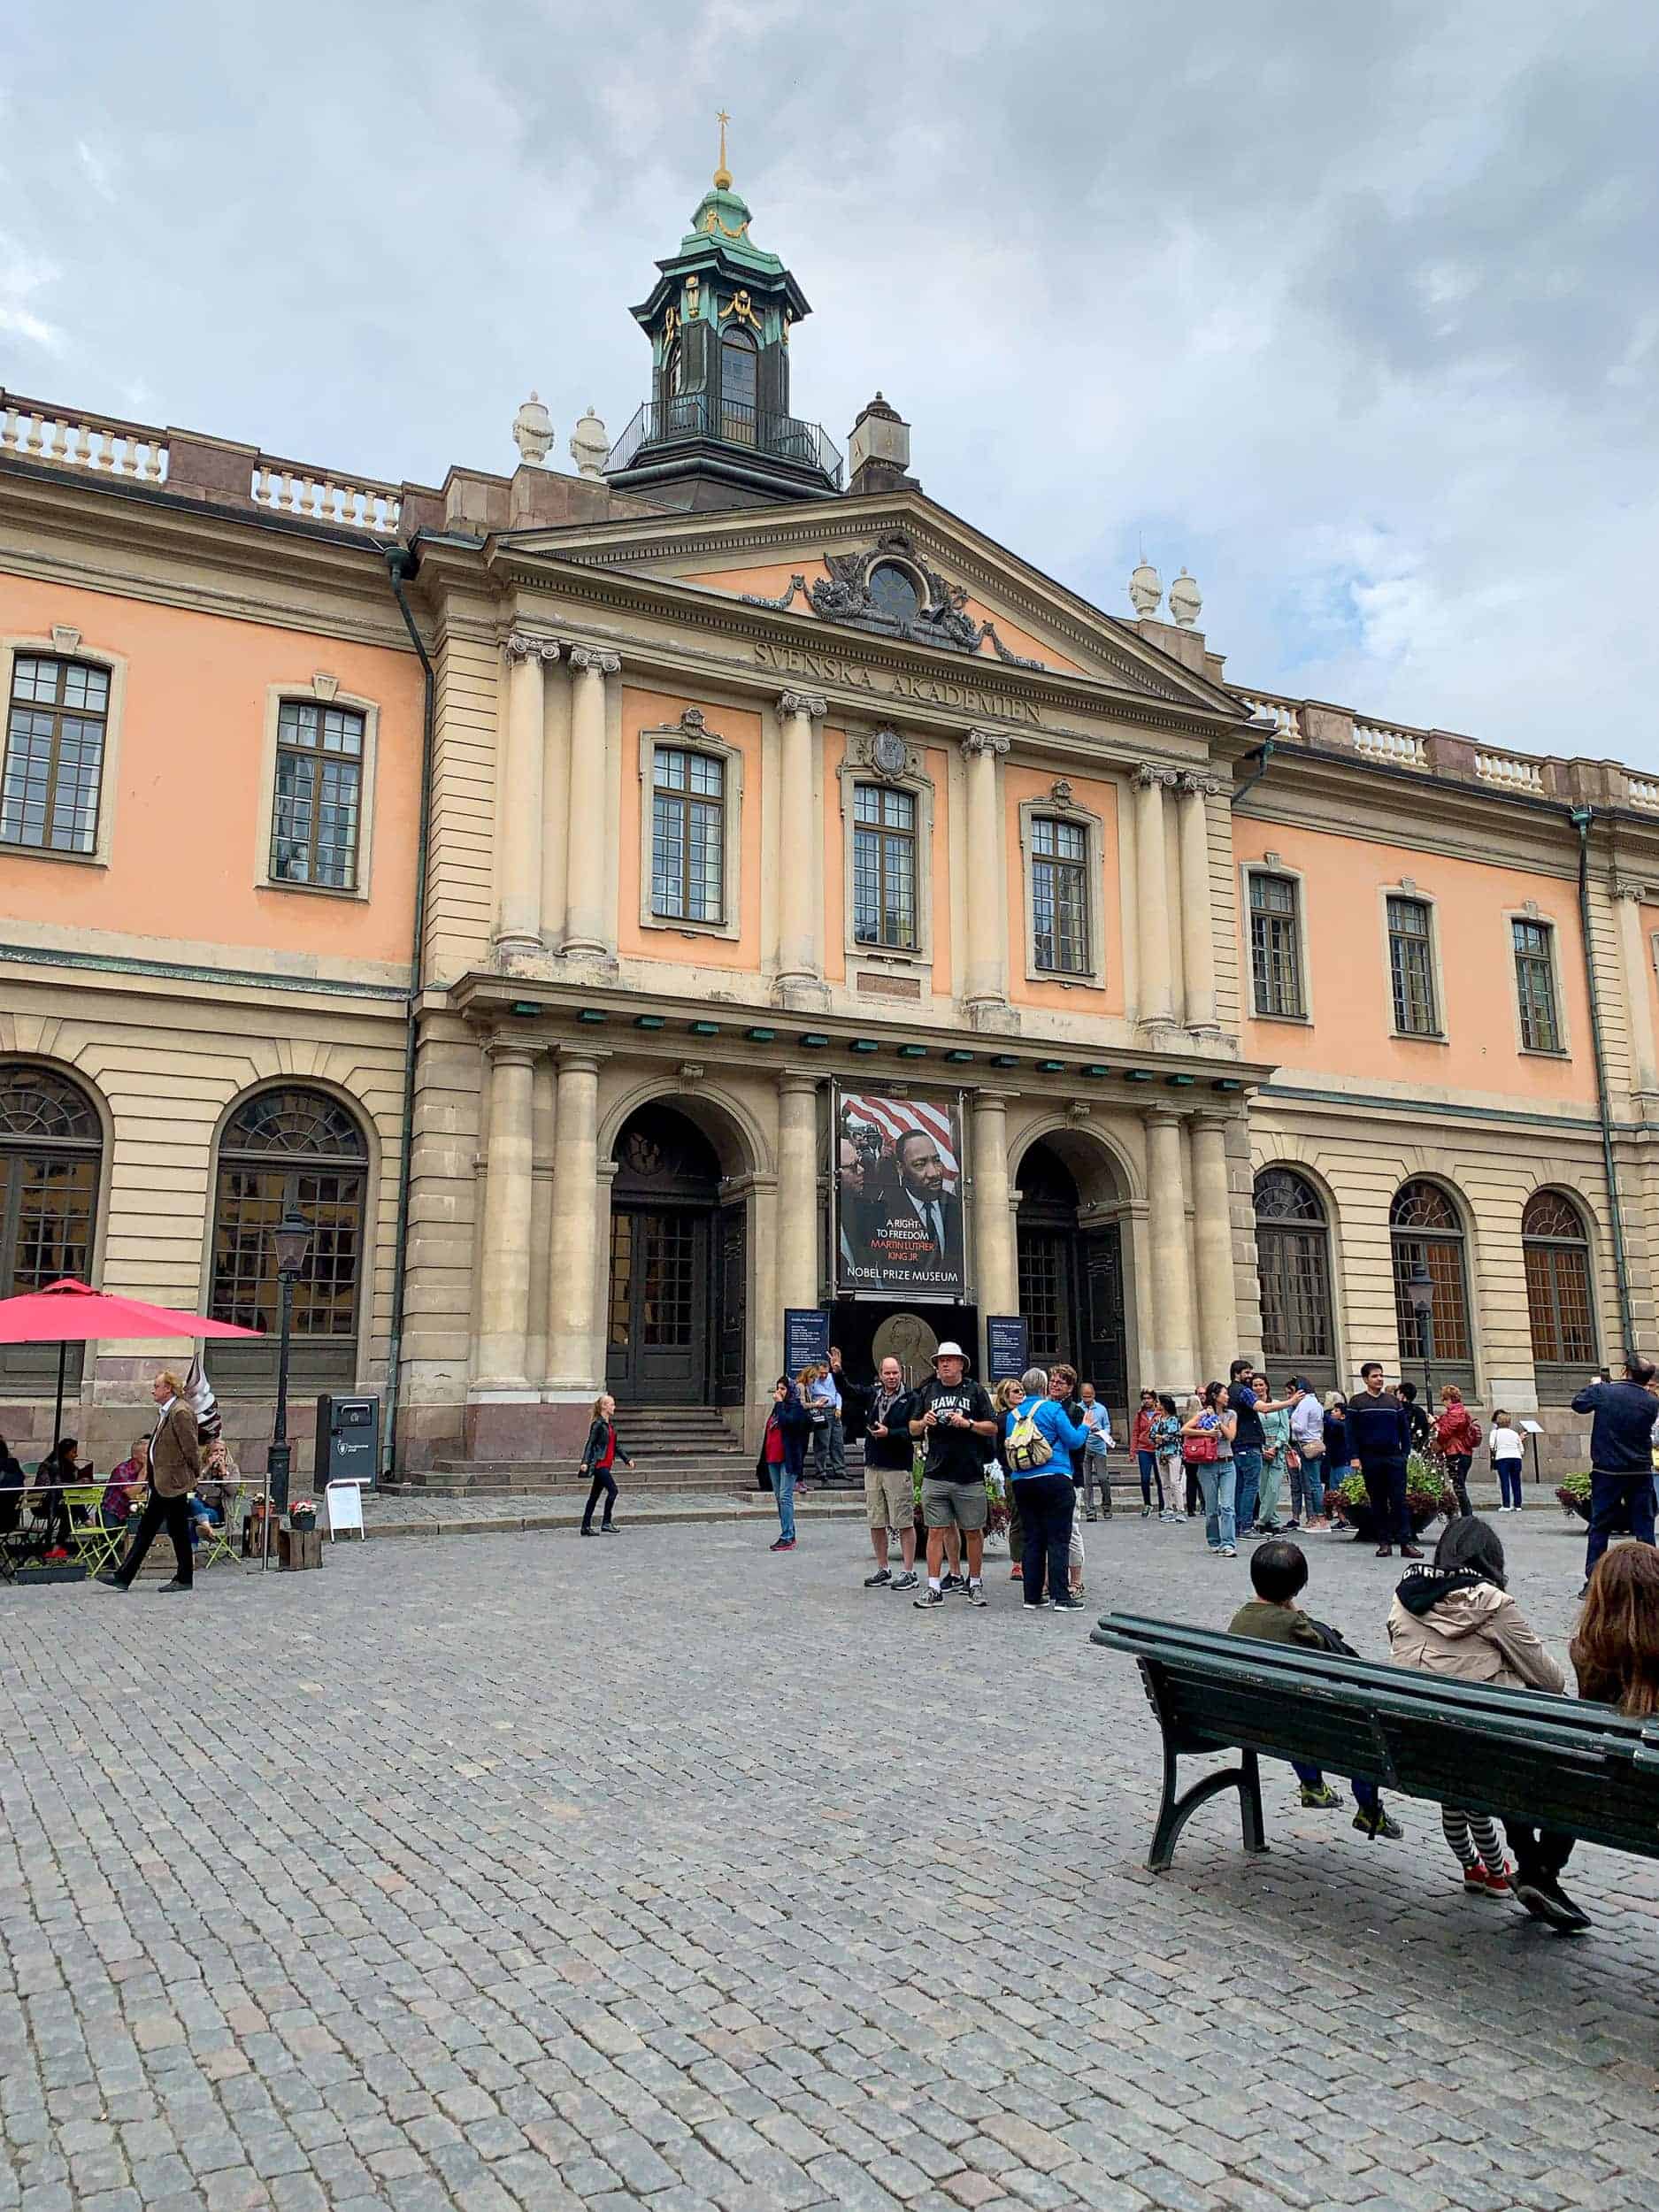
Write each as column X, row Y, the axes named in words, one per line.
column 723, row 175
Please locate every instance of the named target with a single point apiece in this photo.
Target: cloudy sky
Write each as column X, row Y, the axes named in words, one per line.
column 1354, row 309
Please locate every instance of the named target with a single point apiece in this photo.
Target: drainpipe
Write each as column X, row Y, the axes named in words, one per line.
column 402, row 562
column 1582, row 817
column 1263, row 754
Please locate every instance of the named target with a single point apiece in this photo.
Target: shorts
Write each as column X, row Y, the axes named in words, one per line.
column 953, row 1504
column 889, row 1497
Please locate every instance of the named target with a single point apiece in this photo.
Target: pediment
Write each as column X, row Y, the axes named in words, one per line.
column 896, row 568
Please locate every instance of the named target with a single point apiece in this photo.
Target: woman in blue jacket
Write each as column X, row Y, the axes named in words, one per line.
column 1047, row 1500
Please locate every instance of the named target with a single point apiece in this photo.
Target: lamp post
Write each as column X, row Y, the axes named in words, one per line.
column 1420, row 1290
column 292, row 1237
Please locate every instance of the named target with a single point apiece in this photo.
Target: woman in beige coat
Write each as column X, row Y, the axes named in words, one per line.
column 1457, row 1618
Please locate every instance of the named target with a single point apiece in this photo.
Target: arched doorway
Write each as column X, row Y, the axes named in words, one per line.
column 1293, row 1251
column 1070, row 1277
column 51, row 1148
column 678, row 1268
column 1560, row 1297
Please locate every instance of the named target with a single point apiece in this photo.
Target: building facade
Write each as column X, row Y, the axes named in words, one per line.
column 617, row 908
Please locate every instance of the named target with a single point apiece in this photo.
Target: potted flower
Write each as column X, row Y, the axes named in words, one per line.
column 303, row 1514
column 1574, row 1493
column 996, row 1514
column 1428, row 1494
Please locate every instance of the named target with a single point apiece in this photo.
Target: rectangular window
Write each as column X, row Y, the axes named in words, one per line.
column 687, row 837
column 54, row 765
column 884, row 867
column 1411, row 968
column 1275, row 945
column 1536, row 985
column 1059, row 896
column 318, row 802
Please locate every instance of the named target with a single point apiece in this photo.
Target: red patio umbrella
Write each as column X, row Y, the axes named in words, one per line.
column 69, row 1312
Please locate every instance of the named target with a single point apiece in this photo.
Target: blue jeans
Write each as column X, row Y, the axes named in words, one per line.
column 1217, row 1480
column 1307, row 1487
column 1248, row 1466
column 1364, row 1792
column 783, row 1490
column 1150, row 1474
column 1510, row 1482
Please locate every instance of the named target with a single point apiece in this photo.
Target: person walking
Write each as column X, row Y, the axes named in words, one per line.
column 1509, row 1457
column 1456, row 1618
column 1379, row 1436
column 1206, row 1437
column 1457, row 1439
column 783, row 1451
column 1621, row 1457
column 955, row 1418
column 1041, row 1437
column 1146, row 1455
column 175, row 1466
column 600, row 1455
column 889, row 1454
column 1307, row 1444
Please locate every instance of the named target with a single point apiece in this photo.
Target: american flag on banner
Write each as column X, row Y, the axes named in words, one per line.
column 893, row 1117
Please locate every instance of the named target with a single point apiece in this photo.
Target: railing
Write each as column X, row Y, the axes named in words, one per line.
column 693, row 415
column 290, row 489
column 1514, row 771
column 1643, row 791
column 1406, row 748
column 102, row 444
column 1283, row 714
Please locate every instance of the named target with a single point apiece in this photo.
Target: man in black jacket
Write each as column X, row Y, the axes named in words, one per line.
column 1379, row 1436
column 1621, row 1456
column 888, row 1455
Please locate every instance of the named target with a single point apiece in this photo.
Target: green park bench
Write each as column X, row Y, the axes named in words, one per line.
column 1520, row 1754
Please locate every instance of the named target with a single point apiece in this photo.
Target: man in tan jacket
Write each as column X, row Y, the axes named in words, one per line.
column 175, row 1463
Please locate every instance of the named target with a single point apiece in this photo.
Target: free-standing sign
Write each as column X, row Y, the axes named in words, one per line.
column 1005, row 1339
column 805, row 1338
column 898, row 1198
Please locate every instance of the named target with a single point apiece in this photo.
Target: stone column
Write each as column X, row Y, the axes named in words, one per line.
column 1632, row 947
column 518, row 905
column 570, row 1305
column 503, row 1317
column 797, row 1190
column 1171, row 1333
column 994, row 1238
column 1152, row 896
column 800, row 839
column 1212, row 1242
column 584, row 930
column 985, row 965
column 1198, row 941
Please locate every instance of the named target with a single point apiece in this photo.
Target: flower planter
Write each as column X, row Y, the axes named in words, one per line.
column 1364, row 1524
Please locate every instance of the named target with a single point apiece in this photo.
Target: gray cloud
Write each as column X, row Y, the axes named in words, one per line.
column 1353, row 310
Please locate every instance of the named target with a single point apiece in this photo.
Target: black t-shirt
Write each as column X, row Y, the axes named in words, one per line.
column 1249, row 1435
column 953, row 1454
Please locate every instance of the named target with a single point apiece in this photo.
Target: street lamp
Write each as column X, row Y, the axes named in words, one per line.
column 1420, row 1290
column 291, row 1237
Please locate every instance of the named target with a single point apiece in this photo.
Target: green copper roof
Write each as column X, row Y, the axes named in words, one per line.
column 722, row 219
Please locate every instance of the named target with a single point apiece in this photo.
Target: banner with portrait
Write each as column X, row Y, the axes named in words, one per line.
column 900, row 1231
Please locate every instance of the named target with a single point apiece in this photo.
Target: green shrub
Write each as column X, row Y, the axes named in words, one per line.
column 1574, row 1493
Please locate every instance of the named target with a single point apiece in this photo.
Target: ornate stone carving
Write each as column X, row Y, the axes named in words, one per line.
column 809, row 703
column 596, row 661
column 887, row 753
column 532, row 432
column 1149, row 772
column 692, row 722
column 983, row 741
column 522, row 647
column 843, row 593
column 1060, row 792
column 324, row 686
column 1195, row 787
column 1623, row 888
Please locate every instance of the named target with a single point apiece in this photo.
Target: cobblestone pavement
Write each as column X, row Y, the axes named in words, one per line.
column 412, row 1513
column 526, row 1873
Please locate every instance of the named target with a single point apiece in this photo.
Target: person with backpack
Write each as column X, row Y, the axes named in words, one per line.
column 1279, row 1574
column 1207, row 1448
column 600, row 1455
column 1041, row 1437
column 1457, row 1439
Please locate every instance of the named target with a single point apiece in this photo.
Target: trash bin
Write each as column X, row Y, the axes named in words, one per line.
column 348, row 1441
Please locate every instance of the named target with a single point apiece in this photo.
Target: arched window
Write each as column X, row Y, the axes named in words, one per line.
column 1425, row 1230
column 285, row 1147
column 1556, row 1246
column 1292, row 1254
column 51, row 1148
column 739, row 368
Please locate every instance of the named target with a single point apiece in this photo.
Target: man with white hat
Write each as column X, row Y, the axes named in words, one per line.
column 957, row 1421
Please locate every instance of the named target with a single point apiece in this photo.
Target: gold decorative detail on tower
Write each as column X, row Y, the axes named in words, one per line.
column 723, row 175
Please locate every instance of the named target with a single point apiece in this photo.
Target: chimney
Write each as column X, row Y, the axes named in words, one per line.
column 878, row 451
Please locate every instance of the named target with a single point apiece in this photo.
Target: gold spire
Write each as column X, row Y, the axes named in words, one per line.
column 723, row 175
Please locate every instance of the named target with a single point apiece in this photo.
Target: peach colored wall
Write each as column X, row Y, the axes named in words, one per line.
column 1020, row 785
column 936, row 763
column 1344, row 882
column 659, row 710
column 772, row 581
column 190, row 754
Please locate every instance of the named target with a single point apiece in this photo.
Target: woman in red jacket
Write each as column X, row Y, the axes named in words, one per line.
column 1457, row 1434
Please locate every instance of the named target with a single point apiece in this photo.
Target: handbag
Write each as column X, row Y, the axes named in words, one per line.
column 1200, row 1448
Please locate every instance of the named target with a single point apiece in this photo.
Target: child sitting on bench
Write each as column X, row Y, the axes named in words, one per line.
column 1279, row 1574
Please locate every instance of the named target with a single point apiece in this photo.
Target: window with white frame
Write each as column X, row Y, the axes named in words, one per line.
column 1412, row 967
column 1535, row 985
column 1276, row 944
column 884, row 867
column 316, row 811
column 57, row 723
column 1059, row 896
column 687, row 836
